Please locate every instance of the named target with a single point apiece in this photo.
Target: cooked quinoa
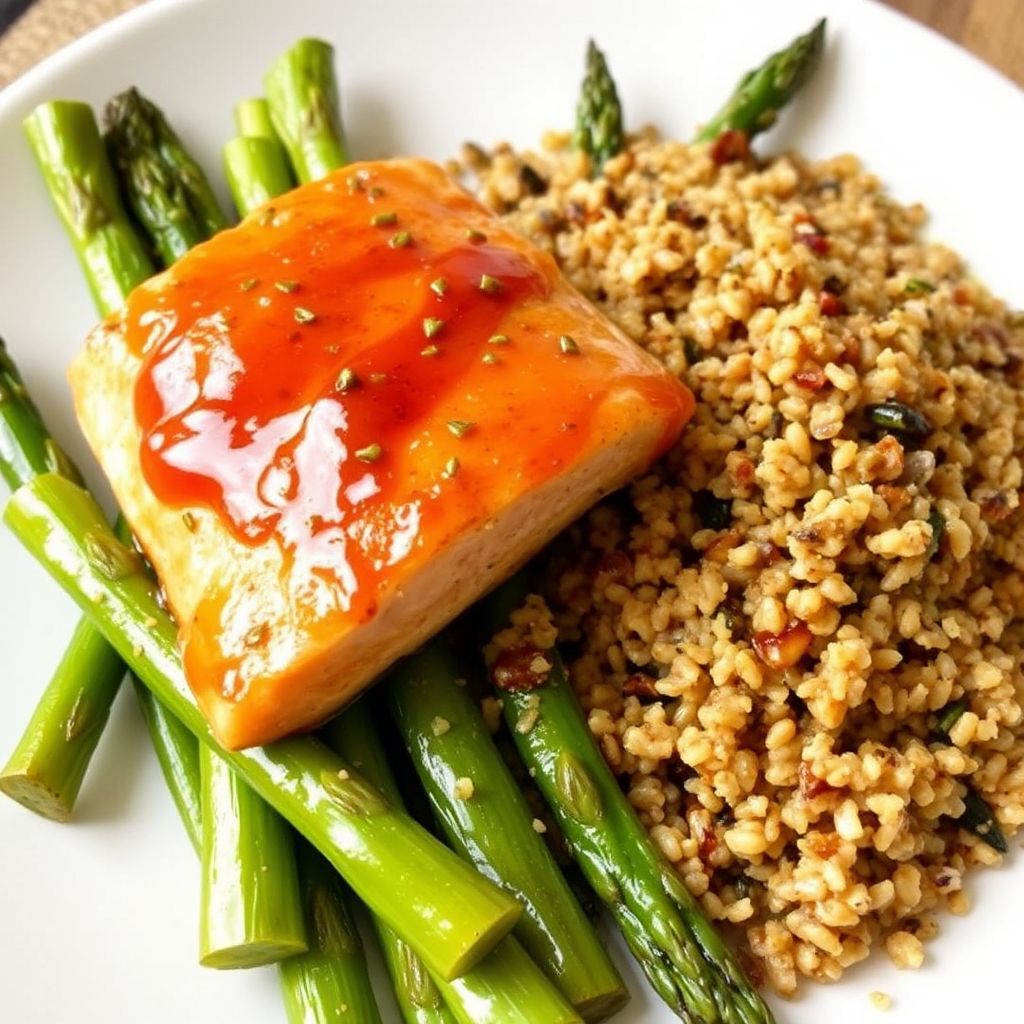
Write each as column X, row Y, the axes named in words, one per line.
column 798, row 639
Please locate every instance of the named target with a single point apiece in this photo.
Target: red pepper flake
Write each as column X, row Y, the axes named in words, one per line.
column 810, row 234
column 702, row 829
column 729, row 146
column 831, row 305
column 520, row 668
column 810, row 376
column 817, row 243
column 783, row 650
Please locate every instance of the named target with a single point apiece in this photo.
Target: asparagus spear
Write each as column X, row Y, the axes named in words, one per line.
column 302, row 95
column 679, row 950
column 66, row 141
column 255, row 163
column 26, row 447
column 177, row 751
column 330, row 984
column 252, row 118
column 250, row 912
column 353, row 734
column 165, row 187
column 47, row 767
column 507, row 986
column 493, row 827
column 598, row 131
column 754, row 105
column 441, row 906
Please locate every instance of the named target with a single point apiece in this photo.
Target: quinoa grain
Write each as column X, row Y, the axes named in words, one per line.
column 766, row 627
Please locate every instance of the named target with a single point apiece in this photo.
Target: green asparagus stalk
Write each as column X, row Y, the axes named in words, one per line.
column 166, row 188
column 353, row 734
column 256, row 170
column 598, row 132
column 66, row 141
column 302, row 95
column 46, row 768
column 330, row 984
column 507, row 986
column 26, row 447
column 441, row 906
column 250, row 913
column 486, row 818
column 417, row 995
column 50, row 761
column 683, row 956
column 255, row 163
column 754, row 105
column 252, row 118
column 177, row 752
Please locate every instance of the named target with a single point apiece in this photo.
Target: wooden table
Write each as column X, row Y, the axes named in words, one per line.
column 991, row 29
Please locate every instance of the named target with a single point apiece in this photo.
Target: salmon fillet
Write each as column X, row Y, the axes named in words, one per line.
column 335, row 426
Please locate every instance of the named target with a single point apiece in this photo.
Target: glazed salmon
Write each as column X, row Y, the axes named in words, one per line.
column 336, row 425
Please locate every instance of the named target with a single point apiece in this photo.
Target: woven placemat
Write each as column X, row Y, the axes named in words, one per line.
column 49, row 25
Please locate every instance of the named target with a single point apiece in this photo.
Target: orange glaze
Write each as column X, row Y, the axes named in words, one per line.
column 333, row 375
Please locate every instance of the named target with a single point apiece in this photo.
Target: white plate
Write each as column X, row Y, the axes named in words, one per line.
column 98, row 918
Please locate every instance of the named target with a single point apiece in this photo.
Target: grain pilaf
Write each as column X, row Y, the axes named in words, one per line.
column 799, row 639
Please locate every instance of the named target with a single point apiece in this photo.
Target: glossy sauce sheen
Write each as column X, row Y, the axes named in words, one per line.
column 343, row 375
